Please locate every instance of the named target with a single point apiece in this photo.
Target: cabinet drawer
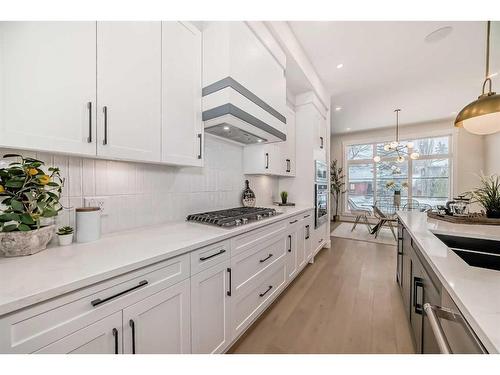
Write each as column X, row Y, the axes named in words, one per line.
column 249, row 263
column 248, row 305
column 294, row 221
column 30, row 329
column 249, row 240
column 209, row 256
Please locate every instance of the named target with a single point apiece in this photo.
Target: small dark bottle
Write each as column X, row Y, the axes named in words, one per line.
column 248, row 198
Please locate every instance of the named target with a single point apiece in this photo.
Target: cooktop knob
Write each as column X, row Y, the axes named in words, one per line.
column 259, row 217
column 237, row 222
column 244, row 220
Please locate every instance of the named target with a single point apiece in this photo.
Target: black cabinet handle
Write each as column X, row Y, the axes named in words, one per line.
column 266, row 258
column 99, row 301
column 105, row 110
column 132, row 326
column 268, row 289
column 320, row 241
column 267, row 160
column 306, row 216
column 115, row 335
column 213, row 255
column 290, row 243
column 288, row 165
column 307, row 232
column 417, row 283
column 322, row 142
column 293, row 222
column 89, row 107
column 201, row 146
column 230, row 282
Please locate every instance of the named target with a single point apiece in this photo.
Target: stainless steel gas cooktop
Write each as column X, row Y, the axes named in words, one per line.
column 233, row 216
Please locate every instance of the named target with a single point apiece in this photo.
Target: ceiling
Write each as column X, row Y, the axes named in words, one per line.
column 388, row 65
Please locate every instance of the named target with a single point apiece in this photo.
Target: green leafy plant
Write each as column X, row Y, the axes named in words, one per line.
column 336, row 184
column 488, row 195
column 28, row 194
column 284, row 196
column 64, row 231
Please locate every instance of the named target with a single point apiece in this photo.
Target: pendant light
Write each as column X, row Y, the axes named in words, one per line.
column 399, row 148
column 483, row 115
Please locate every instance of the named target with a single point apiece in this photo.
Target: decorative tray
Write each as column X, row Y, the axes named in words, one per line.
column 477, row 219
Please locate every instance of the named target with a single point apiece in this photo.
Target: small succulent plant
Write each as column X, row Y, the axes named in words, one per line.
column 64, row 230
column 284, row 197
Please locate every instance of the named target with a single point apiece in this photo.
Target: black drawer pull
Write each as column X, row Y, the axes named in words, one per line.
column 320, row 241
column 115, row 335
column 293, row 222
column 290, row 239
column 230, row 282
column 417, row 283
column 132, row 326
column 213, row 255
column 266, row 258
column 99, row 301
column 268, row 289
column 306, row 216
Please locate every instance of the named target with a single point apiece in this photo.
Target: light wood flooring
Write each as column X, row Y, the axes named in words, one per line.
column 346, row 302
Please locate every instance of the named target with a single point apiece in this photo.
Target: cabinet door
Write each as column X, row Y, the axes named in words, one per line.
column 292, row 254
column 417, row 303
column 288, row 147
column 101, row 337
column 129, row 90
column 302, row 242
column 263, row 159
column 47, row 86
column 182, row 134
column 210, row 320
column 159, row 324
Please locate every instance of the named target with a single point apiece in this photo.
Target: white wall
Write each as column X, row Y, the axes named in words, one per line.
column 143, row 194
column 492, row 154
column 468, row 149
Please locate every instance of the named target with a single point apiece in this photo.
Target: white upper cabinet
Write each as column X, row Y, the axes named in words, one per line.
column 129, row 90
column 47, row 86
column 288, row 153
column 262, row 159
column 182, row 135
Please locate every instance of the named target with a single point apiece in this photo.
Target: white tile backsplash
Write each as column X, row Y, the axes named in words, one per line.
column 144, row 194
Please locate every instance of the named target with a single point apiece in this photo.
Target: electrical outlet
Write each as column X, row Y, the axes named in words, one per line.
column 101, row 202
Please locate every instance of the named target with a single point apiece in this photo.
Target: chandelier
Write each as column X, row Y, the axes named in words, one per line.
column 402, row 150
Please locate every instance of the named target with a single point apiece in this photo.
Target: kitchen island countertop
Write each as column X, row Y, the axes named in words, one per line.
column 476, row 291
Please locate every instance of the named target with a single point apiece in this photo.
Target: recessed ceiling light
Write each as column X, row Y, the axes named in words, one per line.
column 226, row 128
column 348, row 129
column 338, row 108
column 259, row 140
column 438, row 34
column 340, row 66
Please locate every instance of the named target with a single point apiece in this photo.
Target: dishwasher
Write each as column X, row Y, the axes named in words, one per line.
column 445, row 329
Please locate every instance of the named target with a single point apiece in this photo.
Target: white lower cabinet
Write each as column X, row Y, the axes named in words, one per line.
column 159, row 324
column 101, row 337
column 210, row 309
column 199, row 302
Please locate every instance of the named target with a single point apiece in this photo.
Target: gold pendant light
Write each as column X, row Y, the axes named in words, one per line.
column 483, row 115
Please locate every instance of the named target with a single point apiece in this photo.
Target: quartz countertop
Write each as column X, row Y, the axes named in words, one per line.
column 25, row 281
column 476, row 291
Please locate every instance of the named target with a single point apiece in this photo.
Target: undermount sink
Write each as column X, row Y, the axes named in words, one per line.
column 476, row 252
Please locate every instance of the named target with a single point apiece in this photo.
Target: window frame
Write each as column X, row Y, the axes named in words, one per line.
column 373, row 142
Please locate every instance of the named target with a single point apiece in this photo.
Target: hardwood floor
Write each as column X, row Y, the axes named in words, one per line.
column 346, row 302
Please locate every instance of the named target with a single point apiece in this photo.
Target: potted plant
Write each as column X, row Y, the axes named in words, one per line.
column 396, row 187
column 29, row 199
column 65, row 236
column 284, row 197
column 488, row 195
column 336, row 185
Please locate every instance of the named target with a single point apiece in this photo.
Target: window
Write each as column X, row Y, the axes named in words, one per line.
column 428, row 177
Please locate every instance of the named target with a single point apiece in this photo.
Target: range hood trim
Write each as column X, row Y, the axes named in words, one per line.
column 231, row 109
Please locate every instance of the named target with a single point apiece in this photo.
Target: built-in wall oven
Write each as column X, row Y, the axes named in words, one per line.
column 320, row 193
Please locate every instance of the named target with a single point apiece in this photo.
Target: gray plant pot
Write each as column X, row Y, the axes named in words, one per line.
column 15, row 244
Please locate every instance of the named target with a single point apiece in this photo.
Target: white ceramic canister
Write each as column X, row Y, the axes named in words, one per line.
column 88, row 224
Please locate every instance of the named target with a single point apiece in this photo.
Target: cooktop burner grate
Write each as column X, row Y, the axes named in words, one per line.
column 233, row 216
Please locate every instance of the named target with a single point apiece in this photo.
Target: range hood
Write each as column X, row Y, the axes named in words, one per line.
column 233, row 112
